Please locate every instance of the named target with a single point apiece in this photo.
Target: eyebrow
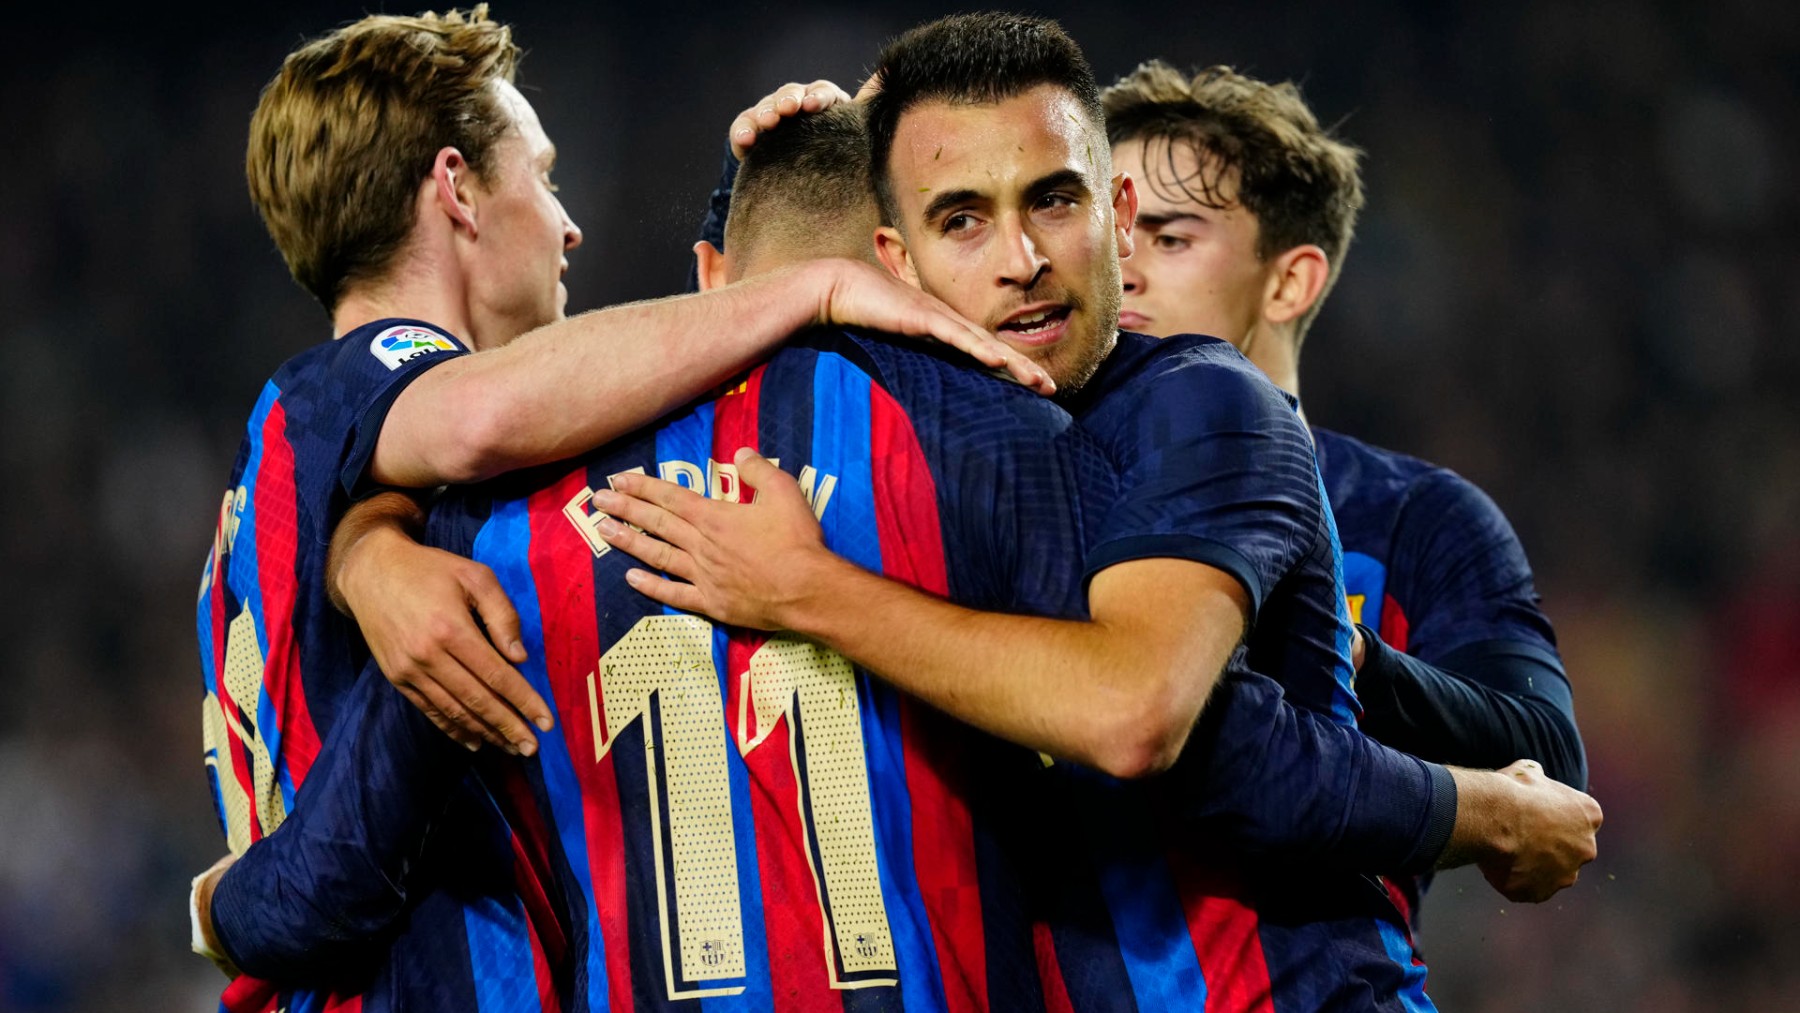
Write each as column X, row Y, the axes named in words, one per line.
column 1061, row 179
column 1150, row 221
column 949, row 199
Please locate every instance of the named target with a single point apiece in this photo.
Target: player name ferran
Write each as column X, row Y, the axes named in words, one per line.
column 717, row 480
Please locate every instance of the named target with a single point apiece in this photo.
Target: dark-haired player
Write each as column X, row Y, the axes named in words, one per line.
column 996, row 182
column 1245, row 210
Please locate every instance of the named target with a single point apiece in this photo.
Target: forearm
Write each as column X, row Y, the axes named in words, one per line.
column 1273, row 780
column 1115, row 695
column 576, row 384
column 394, row 512
column 1487, row 707
column 333, row 878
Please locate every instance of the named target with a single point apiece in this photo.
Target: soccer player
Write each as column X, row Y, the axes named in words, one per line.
column 1245, row 210
column 727, row 815
column 406, row 182
column 997, row 184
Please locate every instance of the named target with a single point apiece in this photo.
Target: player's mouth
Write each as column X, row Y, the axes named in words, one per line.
column 1036, row 325
column 1132, row 320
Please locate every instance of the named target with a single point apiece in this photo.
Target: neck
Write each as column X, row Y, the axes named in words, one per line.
column 1274, row 351
column 432, row 296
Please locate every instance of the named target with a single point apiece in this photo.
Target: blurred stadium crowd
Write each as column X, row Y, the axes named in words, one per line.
column 1574, row 284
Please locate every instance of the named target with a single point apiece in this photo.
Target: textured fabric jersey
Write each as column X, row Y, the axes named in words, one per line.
column 274, row 654
column 1432, row 565
column 276, row 657
column 748, row 820
column 1216, row 467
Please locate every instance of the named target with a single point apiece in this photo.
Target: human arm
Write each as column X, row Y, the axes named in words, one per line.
column 1473, row 676
column 1118, row 693
column 438, row 625
column 306, row 902
column 1288, row 783
column 573, row 385
column 1489, row 701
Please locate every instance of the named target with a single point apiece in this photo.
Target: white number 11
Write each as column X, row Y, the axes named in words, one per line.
column 662, row 670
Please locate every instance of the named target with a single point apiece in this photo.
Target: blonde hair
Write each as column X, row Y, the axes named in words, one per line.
column 1302, row 184
column 346, row 131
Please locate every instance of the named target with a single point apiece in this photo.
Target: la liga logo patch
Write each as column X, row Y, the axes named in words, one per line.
column 407, row 341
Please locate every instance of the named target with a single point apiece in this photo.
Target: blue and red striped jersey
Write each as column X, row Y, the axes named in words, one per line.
column 748, row 820
column 276, row 657
column 1215, row 466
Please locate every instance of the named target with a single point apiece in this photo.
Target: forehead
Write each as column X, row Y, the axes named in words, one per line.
column 989, row 147
column 1170, row 172
column 523, row 117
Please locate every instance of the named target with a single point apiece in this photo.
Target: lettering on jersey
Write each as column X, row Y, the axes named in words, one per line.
column 718, row 481
column 231, row 514
column 663, row 672
column 397, row 345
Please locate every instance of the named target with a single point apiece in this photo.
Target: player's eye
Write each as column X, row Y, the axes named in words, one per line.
column 1055, row 201
column 962, row 221
column 1172, row 244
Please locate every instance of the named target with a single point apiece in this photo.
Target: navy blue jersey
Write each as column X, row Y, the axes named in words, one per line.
column 1432, row 565
column 1216, row 467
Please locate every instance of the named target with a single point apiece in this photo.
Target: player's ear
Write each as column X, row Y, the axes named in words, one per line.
column 890, row 249
column 1124, row 205
column 712, row 270
column 454, row 188
column 1296, row 280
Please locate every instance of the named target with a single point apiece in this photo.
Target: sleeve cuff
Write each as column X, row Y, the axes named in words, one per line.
column 1440, row 820
column 1178, row 546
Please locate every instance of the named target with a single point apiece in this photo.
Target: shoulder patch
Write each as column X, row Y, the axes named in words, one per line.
column 407, row 341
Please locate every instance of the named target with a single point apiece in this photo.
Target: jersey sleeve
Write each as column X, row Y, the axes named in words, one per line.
column 1481, row 683
column 366, row 383
column 1215, row 467
column 1276, row 781
column 304, row 904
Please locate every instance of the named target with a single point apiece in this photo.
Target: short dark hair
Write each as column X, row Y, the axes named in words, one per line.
column 1302, row 184
column 800, row 181
column 976, row 59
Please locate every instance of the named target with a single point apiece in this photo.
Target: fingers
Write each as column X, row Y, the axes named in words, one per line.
column 677, row 500
column 657, row 553
column 496, row 611
column 662, row 537
column 479, row 679
column 761, row 474
column 443, row 711
column 672, row 593
column 788, row 100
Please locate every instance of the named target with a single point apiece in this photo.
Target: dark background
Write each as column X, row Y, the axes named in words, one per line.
column 1576, row 283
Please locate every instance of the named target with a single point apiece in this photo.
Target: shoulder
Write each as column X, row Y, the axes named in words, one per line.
column 1426, row 500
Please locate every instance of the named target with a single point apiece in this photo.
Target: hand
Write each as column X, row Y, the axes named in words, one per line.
column 860, row 295
column 417, row 607
column 1529, row 834
column 745, row 562
column 787, row 100
column 206, row 936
